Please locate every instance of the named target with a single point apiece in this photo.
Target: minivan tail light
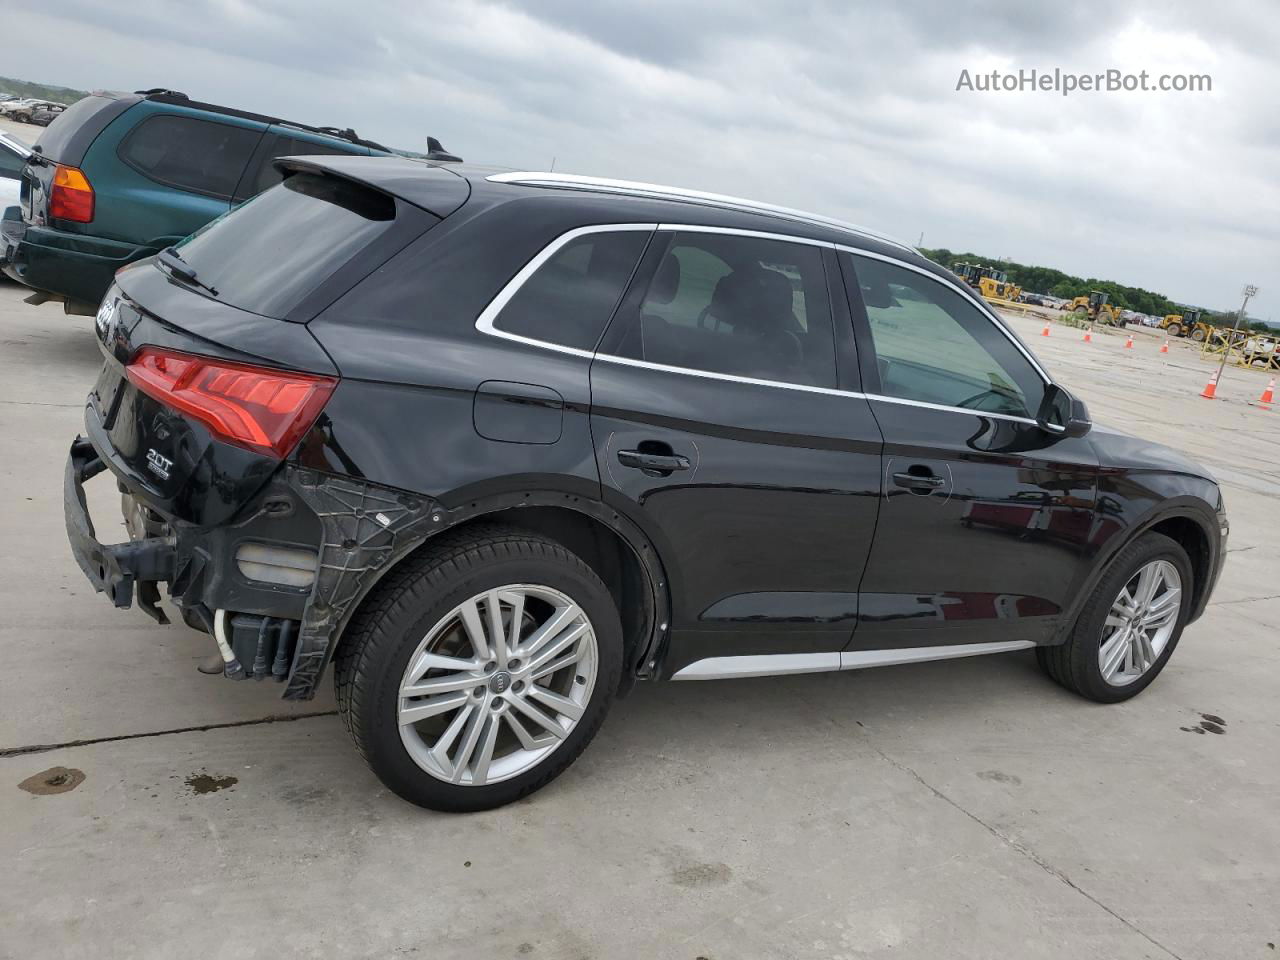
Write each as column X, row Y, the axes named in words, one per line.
column 71, row 197
column 258, row 408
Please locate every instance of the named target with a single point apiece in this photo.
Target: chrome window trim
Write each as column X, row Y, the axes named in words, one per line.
column 740, row 232
column 658, row 191
column 485, row 322
column 730, row 377
column 770, row 665
column 903, row 401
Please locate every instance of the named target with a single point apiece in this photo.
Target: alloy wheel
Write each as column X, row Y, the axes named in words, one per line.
column 497, row 684
column 1140, row 623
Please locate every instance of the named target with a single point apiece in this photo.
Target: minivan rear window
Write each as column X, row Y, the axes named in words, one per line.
column 67, row 138
column 267, row 254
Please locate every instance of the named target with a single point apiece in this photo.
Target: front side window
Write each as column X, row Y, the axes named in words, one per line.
column 737, row 305
column 934, row 346
column 569, row 299
column 202, row 156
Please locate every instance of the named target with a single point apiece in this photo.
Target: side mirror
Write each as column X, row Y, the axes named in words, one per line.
column 1063, row 415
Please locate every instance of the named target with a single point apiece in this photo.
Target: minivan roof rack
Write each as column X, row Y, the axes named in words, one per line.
column 661, row 192
column 162, row 95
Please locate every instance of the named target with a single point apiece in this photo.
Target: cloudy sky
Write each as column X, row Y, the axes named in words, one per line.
column 843, row 108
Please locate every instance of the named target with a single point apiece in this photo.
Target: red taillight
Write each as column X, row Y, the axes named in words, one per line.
column 71, row 197
column 258, row 408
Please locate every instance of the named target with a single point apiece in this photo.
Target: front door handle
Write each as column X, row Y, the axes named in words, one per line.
column 658, row 462
column 913, row 481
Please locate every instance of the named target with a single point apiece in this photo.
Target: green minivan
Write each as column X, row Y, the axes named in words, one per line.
column 119, row 177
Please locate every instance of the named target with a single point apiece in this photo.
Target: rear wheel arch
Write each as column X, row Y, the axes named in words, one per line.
column 617, row 551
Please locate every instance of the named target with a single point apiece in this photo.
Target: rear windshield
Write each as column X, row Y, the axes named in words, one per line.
column 55, row 142
column 267, row 254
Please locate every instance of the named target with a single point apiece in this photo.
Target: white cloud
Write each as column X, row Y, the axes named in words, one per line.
column 849, row 110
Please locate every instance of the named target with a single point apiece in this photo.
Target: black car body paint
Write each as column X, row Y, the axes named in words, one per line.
column 801, row 519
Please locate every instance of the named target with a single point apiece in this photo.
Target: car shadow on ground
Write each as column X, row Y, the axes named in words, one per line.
column 65, row 344
column 673, row 736
column 924, row 697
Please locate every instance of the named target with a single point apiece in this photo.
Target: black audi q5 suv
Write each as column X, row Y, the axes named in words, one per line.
column 498, row 446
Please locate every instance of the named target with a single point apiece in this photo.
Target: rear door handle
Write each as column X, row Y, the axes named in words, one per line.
column 915, row 482
column 653, row 461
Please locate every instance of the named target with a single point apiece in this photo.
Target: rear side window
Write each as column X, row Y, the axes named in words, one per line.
column 738, row 305
column 571, row 296
column 67, row 137
column 270, row 252
column 202, row 156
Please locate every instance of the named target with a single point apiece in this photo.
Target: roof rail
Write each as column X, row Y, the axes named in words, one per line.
column 661, row 192
column 173, row 96
column 348, row 134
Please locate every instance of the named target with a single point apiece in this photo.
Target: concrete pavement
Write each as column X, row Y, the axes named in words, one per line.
column 961, row 809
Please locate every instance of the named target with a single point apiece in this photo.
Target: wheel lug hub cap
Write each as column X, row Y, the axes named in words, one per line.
column 499, row 682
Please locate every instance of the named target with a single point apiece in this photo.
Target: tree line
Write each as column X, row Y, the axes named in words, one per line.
column 1063, row 285
column 40, row 91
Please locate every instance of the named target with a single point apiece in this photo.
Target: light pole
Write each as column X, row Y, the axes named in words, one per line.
column 1249, row 291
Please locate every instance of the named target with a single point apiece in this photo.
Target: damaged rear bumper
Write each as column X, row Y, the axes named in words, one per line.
column 355, row 530
column 120, row 569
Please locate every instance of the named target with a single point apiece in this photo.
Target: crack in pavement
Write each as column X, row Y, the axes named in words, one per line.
column 41, row 403
column 277, row 718
column 1023, row 850
column 1223, row 603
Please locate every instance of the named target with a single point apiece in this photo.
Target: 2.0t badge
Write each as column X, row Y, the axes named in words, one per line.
column 159, row 465
column 105, row 315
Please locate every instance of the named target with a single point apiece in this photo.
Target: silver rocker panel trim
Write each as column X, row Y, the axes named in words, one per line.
column 771, row 665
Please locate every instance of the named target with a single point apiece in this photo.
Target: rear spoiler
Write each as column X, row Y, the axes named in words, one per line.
column 435, row 189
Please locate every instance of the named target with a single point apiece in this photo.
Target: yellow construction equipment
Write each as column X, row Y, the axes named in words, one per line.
column 1096, row 308
column 991, row 283
column 1187, row 323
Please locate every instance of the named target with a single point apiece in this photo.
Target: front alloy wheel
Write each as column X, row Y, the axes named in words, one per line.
column 1128, row 628
column 1141, row 621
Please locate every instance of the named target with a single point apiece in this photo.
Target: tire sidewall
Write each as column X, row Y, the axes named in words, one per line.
column 415, row 618
column 1087, row 635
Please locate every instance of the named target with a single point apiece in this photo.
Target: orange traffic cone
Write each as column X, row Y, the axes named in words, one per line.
column 1129, row 343
column 1088, row 334
column 1211, row 387
column 1045, row 331
column 1165, row 348
column 1268, row 395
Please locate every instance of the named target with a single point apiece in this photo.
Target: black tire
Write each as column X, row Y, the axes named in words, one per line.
column 412, row 598
column 1174, row 330
column 1074, row 664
